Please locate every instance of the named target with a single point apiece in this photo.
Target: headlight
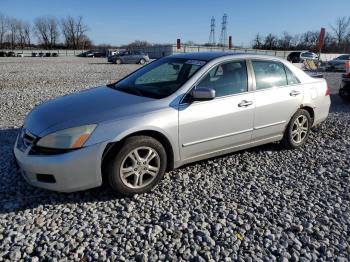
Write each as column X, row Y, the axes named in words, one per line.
column 68, row 138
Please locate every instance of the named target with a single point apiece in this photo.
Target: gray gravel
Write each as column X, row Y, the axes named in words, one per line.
column 262, row 204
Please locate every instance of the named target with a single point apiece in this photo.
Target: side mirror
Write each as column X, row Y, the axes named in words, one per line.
column 203, row 93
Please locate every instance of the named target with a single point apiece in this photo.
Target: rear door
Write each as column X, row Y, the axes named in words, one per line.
column 278, row 95
column 222, row 123
column 127, row 57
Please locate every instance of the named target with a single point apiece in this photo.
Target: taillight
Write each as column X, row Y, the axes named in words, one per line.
column 328, row 91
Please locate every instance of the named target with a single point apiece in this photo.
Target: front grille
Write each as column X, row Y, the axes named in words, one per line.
column 28, row 140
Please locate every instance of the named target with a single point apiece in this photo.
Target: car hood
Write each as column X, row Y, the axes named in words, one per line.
column 90, row 106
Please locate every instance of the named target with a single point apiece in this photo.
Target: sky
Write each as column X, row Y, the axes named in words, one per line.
column 161, row 21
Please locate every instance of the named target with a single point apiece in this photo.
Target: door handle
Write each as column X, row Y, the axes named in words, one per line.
column 294, row 93
column 245, row 103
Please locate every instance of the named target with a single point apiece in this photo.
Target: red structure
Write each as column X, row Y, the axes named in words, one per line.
column 178, row 43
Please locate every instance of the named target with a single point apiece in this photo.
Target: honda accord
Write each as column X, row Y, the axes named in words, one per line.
column 175, row 110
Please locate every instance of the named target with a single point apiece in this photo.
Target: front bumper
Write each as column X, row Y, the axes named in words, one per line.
column 72, row 171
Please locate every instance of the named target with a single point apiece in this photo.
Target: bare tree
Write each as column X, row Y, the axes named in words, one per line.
column 21, row 40
column 341, row 29
column 270, row 41
column 46, row 30
column 13, row 25
column 308, row 40
column 27, row 33
column 285, row 42
column 257, row 42
column 3, row 28
column 74, row 30
column 141, row 43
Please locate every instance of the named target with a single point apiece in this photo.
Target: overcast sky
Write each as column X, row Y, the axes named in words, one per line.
column 161, row 21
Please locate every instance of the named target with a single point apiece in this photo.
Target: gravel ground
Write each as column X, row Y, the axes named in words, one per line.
column 262, row 204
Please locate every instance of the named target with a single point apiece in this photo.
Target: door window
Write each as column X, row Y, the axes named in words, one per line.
column 227, row 78
column 269, row 74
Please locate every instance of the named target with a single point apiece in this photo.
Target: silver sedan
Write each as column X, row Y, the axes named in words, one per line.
column 173, row 111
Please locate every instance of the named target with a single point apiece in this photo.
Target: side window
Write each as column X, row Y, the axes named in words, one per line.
column 227, row 78
column 269, row 74
column 291, row 78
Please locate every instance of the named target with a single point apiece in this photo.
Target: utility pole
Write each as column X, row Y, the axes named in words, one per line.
column 223, row 36
column 212, row 40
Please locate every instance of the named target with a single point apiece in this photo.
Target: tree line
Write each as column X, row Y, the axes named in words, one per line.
column 335, row 41
column 50, row 33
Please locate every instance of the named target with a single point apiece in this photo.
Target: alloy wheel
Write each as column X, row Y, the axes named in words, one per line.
column 140, row 167
column 300, row 129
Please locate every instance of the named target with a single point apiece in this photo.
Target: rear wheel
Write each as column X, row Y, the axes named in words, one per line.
column 142, row 61
column 138, row 166
column 298, row 129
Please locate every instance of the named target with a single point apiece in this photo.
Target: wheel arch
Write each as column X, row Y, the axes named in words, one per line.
column 310, row 110
column 113, row 147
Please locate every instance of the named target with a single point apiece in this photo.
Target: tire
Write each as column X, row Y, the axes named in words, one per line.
column 142, row 61
column 118, row 61
column 129, row 176
column 295, row 135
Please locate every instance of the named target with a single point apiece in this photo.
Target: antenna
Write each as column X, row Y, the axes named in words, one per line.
column 223, row 36
column 212, row 39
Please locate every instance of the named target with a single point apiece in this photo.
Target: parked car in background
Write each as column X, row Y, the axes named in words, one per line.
column 344, row 90
column 94, row 53
column 129, row 57
column 299, row 57
column 11, row 54
column 176, row 110
column 337, row 64
column 111, row 58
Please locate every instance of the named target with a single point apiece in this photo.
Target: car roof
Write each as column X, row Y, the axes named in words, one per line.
column 208, row 56
column 205, row 56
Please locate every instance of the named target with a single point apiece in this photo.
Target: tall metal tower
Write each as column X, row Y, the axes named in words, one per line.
column 212, row 39
column 223, row 36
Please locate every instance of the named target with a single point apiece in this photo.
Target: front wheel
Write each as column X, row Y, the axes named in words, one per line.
column 142, row 61
column 138, row 166
column 298, row 129
column 118, row 61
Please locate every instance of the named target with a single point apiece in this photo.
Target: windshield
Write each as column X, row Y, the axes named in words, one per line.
column 307, row 54
column 160, row 78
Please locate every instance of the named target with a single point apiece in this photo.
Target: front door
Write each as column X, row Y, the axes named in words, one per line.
column 222, row 123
